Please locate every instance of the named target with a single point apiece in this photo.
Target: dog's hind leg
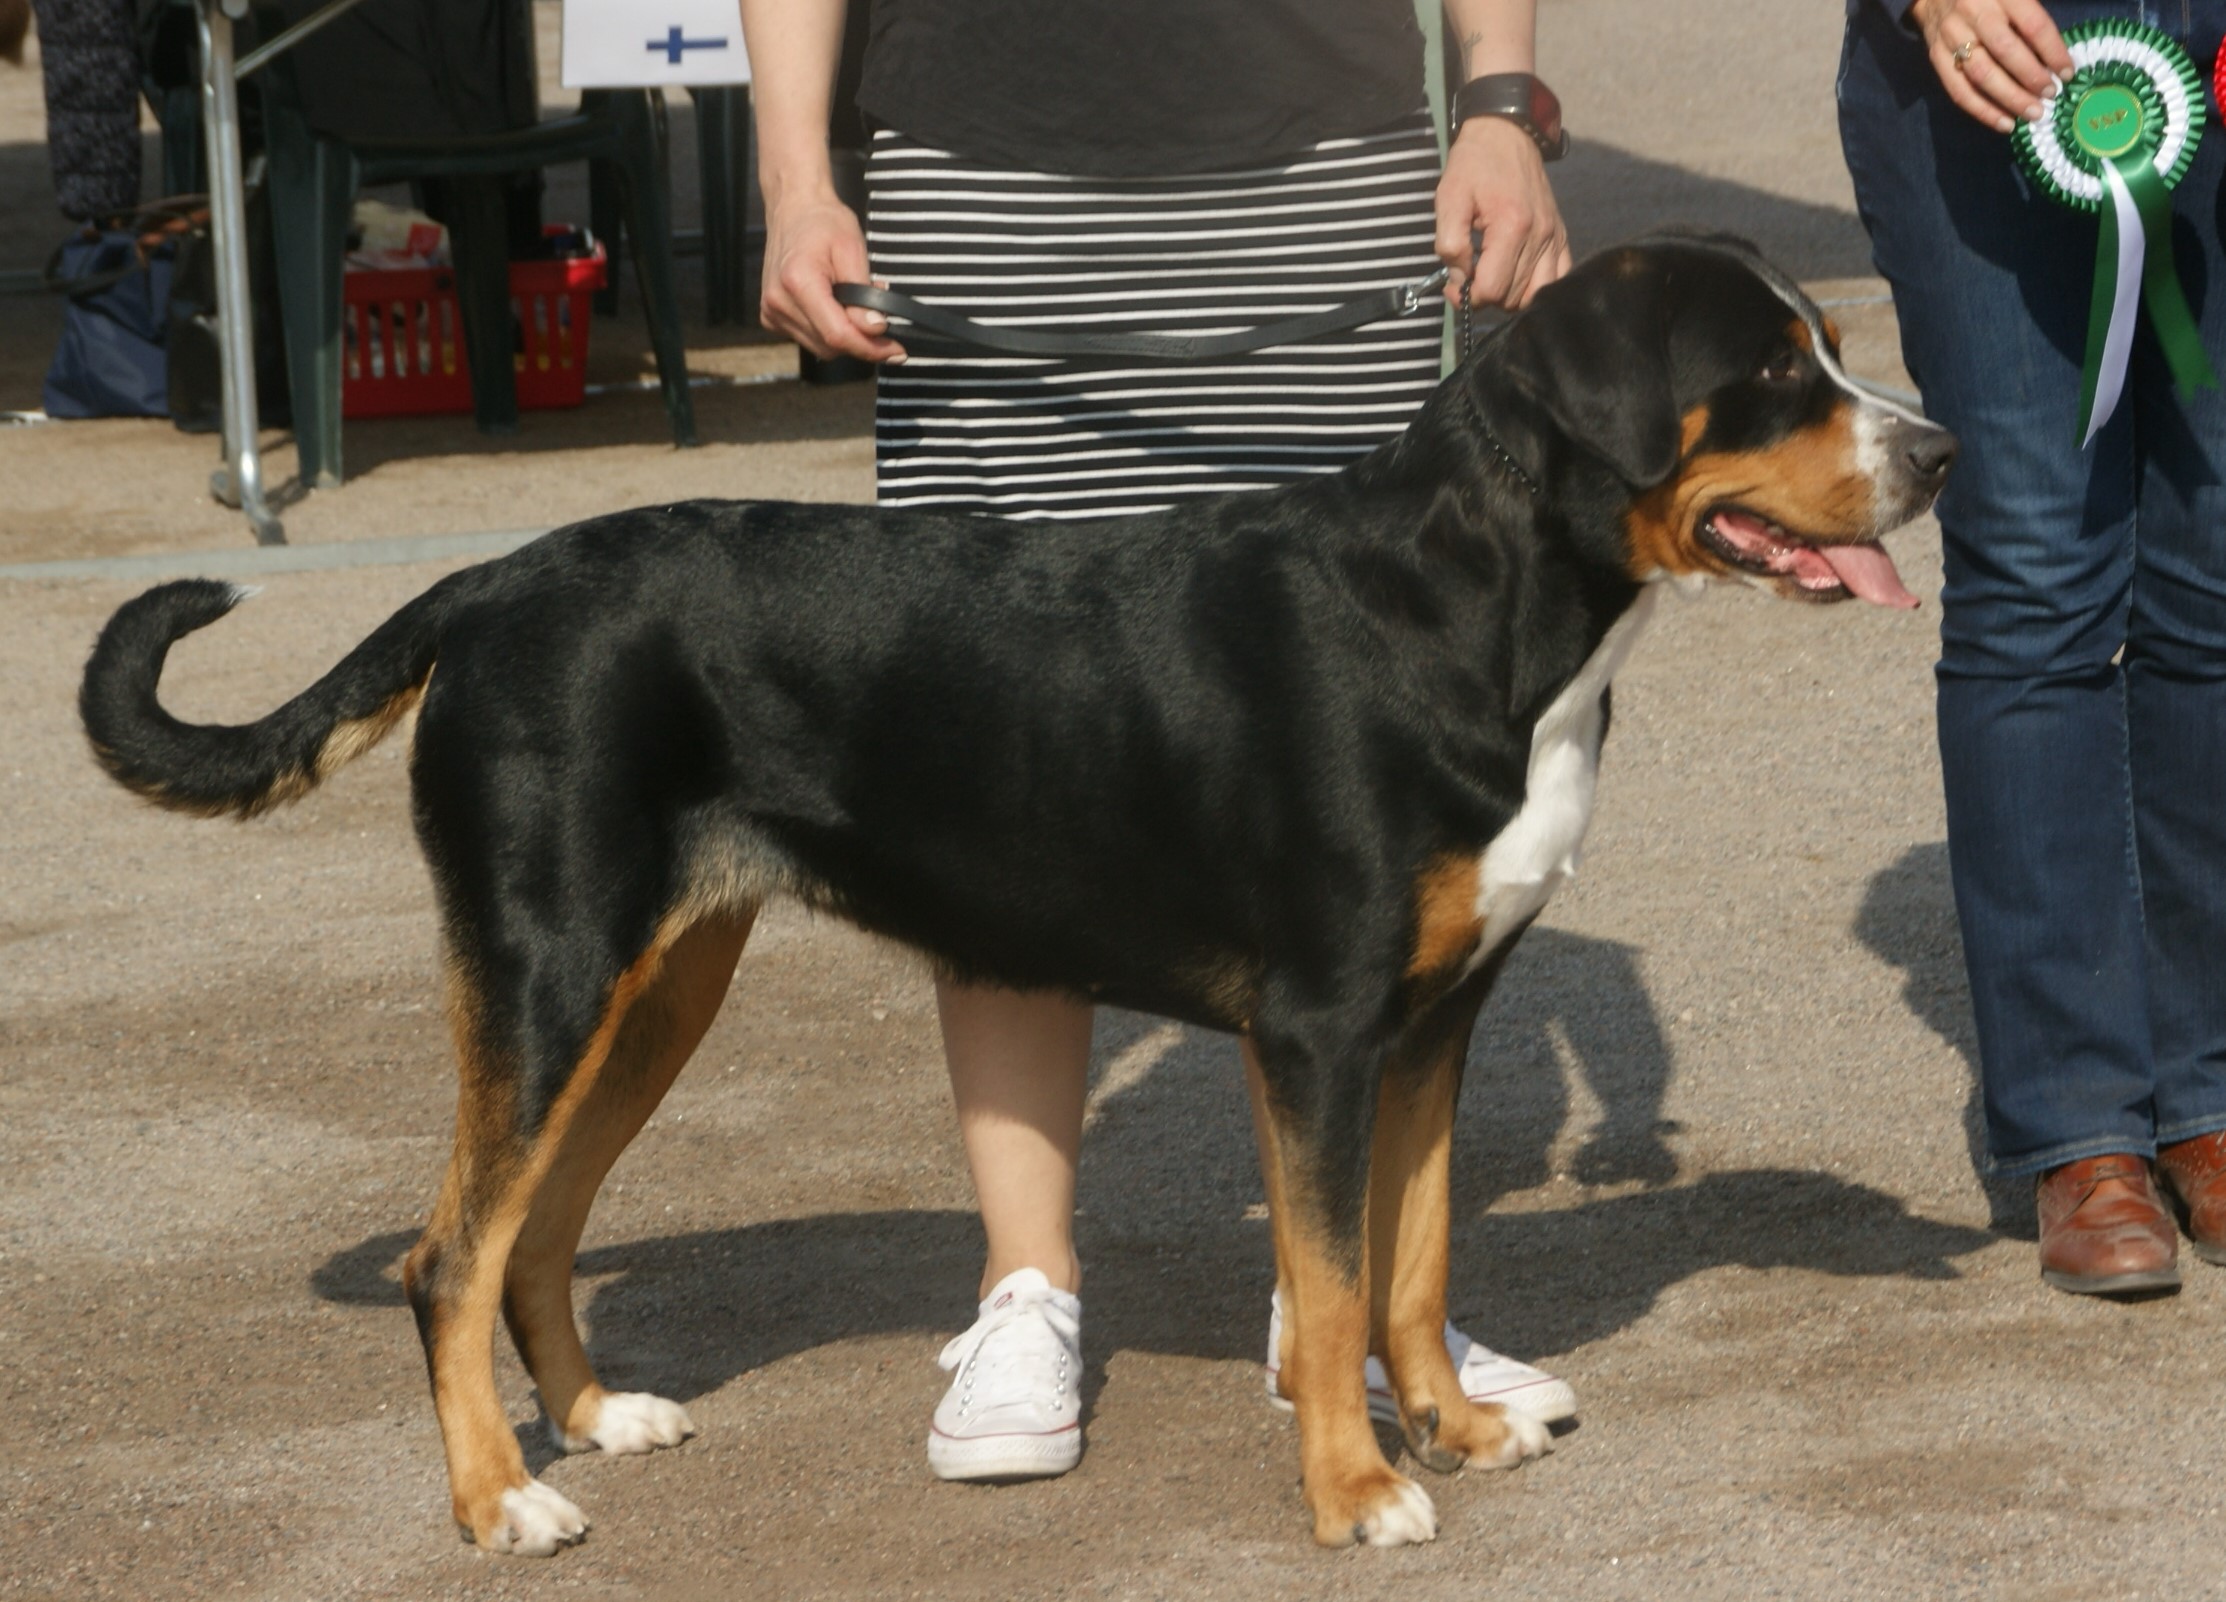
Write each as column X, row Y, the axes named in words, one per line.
column 660, row 1031
column 1408, row 1224
column 1321, row 1250
column 526, row 1072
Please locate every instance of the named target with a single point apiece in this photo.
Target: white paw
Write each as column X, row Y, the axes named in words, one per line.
column 630, row 1421
column 1526, row 1439
column 1405, row 1519
column 535, row 1522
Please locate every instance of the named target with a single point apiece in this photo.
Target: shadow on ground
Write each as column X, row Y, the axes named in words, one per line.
column 685, row 1314
column 1908, row 919
column 1180, row 1260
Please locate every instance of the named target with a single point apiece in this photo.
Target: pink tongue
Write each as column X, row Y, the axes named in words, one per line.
column 1869, row 572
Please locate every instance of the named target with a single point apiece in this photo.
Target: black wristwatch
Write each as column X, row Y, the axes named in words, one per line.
column 1523, row 101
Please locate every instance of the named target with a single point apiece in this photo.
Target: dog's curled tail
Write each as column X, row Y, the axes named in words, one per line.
column 243, row 769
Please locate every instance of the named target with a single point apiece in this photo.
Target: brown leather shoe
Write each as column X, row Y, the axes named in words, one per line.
column 2104, row 1230
column 2195, row 1172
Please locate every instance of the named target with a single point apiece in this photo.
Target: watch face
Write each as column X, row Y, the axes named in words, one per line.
column 1523, row 100
column 1545, row 113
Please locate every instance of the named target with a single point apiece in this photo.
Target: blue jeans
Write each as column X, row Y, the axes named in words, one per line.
column 2082, row 676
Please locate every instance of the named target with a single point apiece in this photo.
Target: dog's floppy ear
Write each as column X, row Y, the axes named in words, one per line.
column 1593, row 351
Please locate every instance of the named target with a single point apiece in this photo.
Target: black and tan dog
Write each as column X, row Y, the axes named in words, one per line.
column 1299, row 764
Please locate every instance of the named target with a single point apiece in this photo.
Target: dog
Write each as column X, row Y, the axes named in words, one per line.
column 1300, row 764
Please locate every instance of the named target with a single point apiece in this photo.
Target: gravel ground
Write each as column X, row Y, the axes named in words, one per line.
column 1714, row 1164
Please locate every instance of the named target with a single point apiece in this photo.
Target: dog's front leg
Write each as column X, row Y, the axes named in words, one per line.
column 1408, row 1220
column 1321, row 1249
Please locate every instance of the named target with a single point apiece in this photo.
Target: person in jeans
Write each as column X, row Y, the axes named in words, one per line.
column 1149, row 164
column 2082, row 674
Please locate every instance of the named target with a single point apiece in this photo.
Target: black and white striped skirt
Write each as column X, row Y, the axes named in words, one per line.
column 1092, row 436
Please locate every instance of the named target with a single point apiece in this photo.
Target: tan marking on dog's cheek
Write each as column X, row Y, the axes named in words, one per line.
column 1446, row 927
column 1658, row 528
column 1831, row 333
column 1649, row 534
column 1811, row 483
column 1690, row 430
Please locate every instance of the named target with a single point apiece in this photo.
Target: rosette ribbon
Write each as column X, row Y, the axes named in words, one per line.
column 2113, row 141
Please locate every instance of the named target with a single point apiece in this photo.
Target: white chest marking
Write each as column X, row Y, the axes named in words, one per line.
column 1528, row 860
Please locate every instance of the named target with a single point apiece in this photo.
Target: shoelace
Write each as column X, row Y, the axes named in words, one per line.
column 1050, row 1330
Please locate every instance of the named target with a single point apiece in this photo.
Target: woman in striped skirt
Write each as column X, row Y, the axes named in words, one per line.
column 1091, row 436
column 1141, row 165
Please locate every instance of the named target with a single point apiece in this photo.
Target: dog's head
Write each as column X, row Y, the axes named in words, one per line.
column 1710, row 387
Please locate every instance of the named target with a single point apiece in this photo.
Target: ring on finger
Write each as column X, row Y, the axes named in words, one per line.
column 1962, row 53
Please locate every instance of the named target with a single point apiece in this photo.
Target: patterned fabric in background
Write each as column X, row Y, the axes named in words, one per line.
column 88, row 51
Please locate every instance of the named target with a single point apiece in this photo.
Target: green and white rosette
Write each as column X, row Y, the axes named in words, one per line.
column 2113, row 141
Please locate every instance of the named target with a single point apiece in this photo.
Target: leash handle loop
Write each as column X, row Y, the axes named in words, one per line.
column 950, row 328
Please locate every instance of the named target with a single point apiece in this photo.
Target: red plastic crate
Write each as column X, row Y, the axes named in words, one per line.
column 402, row 337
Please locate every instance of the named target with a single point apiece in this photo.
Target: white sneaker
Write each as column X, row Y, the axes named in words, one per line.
column 1014, row 1409
column 1485, row 1376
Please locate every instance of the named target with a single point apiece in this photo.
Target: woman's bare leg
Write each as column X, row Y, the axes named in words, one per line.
column 1019, row 1066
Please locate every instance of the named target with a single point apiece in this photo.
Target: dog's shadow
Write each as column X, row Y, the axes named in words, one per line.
column 1908, row 919
column 1172, row 1228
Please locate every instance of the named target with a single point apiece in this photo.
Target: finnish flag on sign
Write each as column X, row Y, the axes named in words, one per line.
column 618, row 44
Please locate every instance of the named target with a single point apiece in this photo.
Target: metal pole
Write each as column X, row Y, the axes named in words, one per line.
column 293, row 36
column 240, row 481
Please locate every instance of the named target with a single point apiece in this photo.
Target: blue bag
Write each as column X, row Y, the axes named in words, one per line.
column 111, row 360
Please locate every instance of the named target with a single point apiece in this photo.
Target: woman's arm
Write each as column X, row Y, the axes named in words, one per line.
column 1995, row 57
column 1494, row 178
column 812, row 240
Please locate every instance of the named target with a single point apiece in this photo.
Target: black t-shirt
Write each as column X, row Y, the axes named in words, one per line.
column 1127, row 87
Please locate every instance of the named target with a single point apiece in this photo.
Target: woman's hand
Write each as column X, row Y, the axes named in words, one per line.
column 1495, row 182
column 812, row 244
column 1997, row 58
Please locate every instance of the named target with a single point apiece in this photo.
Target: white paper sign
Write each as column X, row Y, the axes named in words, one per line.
column 625, row 44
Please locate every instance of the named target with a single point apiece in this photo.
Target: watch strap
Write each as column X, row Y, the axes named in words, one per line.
column 1522, row 99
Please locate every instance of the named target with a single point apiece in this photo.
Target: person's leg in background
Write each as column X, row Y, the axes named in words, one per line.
column 1990, row 282
column 1019, row 1065
column 2175, row 674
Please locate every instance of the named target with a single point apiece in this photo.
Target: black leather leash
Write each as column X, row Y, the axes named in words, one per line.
column 1401, row 300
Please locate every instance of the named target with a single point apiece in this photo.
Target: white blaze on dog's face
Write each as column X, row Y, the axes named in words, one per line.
column 1789, row 473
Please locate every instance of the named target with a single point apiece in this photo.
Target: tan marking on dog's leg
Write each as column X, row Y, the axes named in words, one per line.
column 454, row 1279
column 1263, row 1135
column 455, row 1273
column 1353, row 1493
column 1408, row 1221
column 660, row 1032
column 483, row 1458
column 1446, row 927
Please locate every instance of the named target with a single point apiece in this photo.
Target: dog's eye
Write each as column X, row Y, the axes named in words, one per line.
column 1782, row 368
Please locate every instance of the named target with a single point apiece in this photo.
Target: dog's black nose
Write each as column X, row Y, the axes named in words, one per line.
column 1931, row 453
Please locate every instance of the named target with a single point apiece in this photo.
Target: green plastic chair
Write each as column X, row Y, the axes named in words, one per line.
column 723, row 139
column 314, row 178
